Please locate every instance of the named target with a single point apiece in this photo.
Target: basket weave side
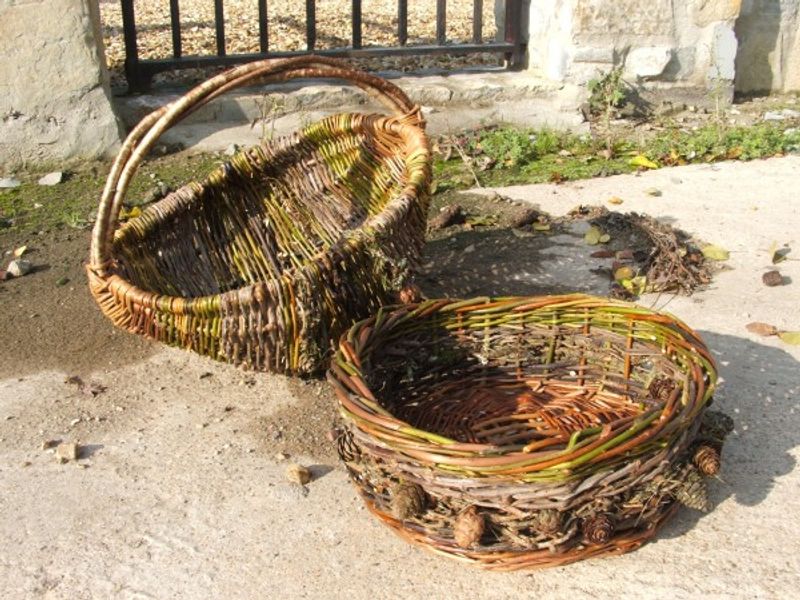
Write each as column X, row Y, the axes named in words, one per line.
column 548, row 429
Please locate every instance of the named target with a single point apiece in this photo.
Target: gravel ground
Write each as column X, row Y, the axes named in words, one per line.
column 180, row 492
column 287, row 20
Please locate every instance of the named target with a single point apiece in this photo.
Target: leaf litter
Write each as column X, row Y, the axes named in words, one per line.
column 643, row 255
column 648, row 256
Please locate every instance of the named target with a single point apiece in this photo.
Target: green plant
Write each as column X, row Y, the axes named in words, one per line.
column 712, row 142
column 606, row 95
column 269, row 108
column 507, row 146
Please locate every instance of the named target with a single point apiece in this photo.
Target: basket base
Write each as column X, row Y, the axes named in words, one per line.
column 527, row 559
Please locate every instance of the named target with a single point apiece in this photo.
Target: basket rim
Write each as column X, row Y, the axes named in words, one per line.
column 190, row 305
column 361, row 409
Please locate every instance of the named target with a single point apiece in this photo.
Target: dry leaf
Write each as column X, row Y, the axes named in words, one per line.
column 20, row 251
column 712, row 252
column 779, row 254
column 615, row 200
column 130, row 214
column 790, row 337
column 602, row 254
column 642, row 161
column 482, row 220
column 592, row 236
column 764, row 329
column 636, row 286
column 624, row 273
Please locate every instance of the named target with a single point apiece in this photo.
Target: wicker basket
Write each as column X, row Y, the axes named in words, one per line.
column 527, row 432
column 273, row 255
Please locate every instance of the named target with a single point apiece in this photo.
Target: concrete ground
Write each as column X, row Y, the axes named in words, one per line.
column 179, row 493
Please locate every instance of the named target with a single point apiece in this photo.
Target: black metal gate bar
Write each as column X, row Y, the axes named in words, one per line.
column 175, row 24
column 441, row 22
column 131, row 48
column 402, row 22
column 356, row 24
column 219, row 20
column 140, row 72
column 477, row 21
column 311, row 25
column 263, row 26
column 513, row 32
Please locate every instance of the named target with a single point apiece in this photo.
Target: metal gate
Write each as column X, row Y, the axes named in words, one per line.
column 140, row 72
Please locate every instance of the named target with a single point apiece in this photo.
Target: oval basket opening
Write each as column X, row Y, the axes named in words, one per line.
column 525, row 380
column 269, row 211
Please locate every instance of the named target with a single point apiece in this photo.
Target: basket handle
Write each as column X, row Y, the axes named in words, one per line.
column 147, row 132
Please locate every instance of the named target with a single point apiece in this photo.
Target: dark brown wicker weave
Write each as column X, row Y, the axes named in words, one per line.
column 279, row 251
column 527, row 432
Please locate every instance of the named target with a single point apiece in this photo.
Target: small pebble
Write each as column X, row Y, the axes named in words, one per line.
column 772, row 278
column 19, row 267
column 53, row 178
column 48, row 444
column 7, row 183
column 298, row 474
column 280, row 456
column 67, row 451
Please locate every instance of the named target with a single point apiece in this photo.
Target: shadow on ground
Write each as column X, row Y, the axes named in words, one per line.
column 760, row 391
column 498, row 262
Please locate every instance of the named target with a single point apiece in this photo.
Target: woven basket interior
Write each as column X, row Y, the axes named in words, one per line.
column 515, row 384
column 268, row 211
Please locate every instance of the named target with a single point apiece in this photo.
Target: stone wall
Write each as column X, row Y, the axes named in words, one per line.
column 769, row 46
column 54, row 96
column 661, row 43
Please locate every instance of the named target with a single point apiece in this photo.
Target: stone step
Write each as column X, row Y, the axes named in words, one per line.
column 450, row 103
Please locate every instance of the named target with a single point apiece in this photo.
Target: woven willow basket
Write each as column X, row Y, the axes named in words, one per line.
column 527, row 432
column 272, row 256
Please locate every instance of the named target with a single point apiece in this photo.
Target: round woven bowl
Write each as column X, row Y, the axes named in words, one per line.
column 527, row 432
column 266, row 261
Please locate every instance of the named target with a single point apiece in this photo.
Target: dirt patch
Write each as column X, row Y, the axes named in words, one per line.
column 49, row 323
column 302, row 428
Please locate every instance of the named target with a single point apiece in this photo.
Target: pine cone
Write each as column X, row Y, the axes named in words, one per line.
column 346, row 447
column 547, row 521
column 706, row 458
column 661, row 389
column 469, row 527
column 410, row 294
column 691, row 491
column 598, row 529
column 408, row 500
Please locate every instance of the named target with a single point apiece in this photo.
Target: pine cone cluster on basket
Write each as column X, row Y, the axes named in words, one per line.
column 527, row 432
